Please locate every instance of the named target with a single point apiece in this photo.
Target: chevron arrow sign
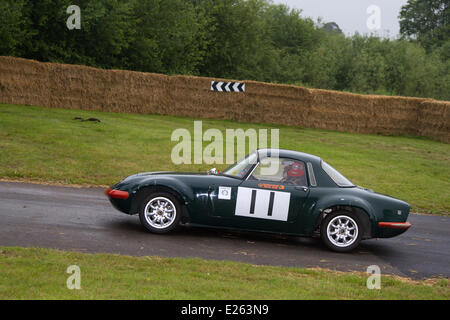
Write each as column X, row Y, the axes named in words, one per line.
column 227, row 86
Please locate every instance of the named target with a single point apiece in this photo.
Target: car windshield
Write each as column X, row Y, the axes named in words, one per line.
column 241, row 168
column 338, row 178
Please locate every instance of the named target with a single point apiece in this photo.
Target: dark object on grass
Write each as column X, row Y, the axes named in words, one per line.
column 90, row 119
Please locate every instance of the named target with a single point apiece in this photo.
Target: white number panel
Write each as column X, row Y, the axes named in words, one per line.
column 263, row 204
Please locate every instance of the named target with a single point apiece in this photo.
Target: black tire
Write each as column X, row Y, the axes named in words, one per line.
column 345, row 233
column 151, row 224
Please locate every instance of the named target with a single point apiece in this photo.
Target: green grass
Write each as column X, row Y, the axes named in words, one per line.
column 44, row 144
column 30, row 273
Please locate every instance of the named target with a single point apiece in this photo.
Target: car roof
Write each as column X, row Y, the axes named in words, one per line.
column 283, row 153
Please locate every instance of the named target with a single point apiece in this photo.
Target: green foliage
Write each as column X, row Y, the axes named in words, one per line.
column 332, row 27
column 238, row 45
column 426, row 20
column 169, row 37
column 11, row 27
column 35, row 273
column 238, row 39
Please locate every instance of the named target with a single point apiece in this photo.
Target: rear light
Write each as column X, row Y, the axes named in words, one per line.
column 395, row 225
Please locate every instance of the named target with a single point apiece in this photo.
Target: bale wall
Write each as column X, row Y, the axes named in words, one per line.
column 79, row 87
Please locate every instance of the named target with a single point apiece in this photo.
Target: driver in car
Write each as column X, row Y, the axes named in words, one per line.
column 294, row 173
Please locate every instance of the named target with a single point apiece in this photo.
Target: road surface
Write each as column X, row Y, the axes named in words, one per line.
column 83, row 220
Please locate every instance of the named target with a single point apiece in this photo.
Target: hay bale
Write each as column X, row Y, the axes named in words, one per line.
column 57, row 85
column 433, row 120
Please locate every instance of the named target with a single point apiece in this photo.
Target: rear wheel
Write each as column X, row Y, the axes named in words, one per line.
column 160, row 212
column 341, row 231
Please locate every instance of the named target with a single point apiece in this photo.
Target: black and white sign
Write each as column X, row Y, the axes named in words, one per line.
column 227, row 86
column 263, row 204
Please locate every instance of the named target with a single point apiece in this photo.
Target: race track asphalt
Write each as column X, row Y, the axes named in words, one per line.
column 82, row 219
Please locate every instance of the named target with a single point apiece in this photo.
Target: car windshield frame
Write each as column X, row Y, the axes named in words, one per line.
column 249, row 171
column 338, row 178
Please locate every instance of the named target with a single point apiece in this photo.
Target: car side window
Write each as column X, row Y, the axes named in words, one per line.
column 281, row 170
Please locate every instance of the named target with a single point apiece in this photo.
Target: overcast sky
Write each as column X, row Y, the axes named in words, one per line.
column 351, row 15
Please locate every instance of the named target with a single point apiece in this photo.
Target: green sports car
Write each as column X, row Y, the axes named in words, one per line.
column 271, row 190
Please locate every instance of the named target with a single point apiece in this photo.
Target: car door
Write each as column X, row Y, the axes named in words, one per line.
column 222, row 196
column 223, row 193
column 271, row 198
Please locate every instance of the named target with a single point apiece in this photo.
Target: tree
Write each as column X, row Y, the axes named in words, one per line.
column 426, row 20
column 12, row 31
column 170, row 37
column 332, row 27
column 292, row 39
column 238, row 43
column 105, row 32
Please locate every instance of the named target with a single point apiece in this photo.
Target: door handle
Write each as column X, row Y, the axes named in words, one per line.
column 304, row 189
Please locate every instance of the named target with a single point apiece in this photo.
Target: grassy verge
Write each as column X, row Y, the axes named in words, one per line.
column 42, row 144
column 30, row 273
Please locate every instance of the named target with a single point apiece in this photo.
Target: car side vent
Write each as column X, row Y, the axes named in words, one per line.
column 312, row 177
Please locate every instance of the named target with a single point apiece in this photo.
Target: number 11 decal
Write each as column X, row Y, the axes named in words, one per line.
column 262, row 204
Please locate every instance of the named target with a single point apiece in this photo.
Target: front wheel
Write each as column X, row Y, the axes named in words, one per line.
column 160, row 212
column 341, row 231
